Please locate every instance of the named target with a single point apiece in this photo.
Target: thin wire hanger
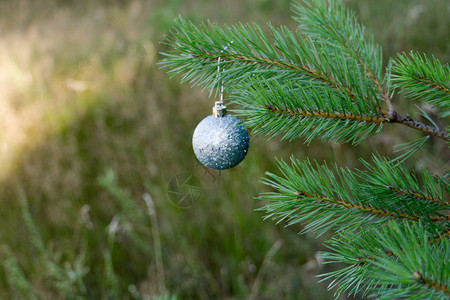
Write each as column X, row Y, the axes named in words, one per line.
column 219, row 110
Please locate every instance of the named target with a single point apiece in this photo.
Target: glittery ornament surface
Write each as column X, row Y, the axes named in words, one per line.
column 220, row 142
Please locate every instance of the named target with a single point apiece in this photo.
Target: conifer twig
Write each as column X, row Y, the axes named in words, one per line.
column 328, row 115
column 432, row 84
column 407, row 121
column 415, row 194
column 394, row 118
column 423, row 79
column 440, row 238
column 383, row 92
column 265, row 62
column 431, row 283
column 370, row 209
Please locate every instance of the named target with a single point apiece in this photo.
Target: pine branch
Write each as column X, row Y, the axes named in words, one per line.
column 381, row 264
column 333, row 22
column 441, row 238
column 363, row 208
column 315, row 196
column 402, row 240
column 411, row 193
column 294, row 59
column 429, row 130
column 430, row 283
column 308, row 111
column 423, row 79
column 195, row 52
column 327, row 199
column 387, row 179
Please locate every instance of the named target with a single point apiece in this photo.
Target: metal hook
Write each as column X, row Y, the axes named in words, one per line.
column 218, row 70
column 219, row 110
column 221, row 84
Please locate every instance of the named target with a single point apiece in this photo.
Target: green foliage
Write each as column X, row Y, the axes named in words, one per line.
column 388, row 223
column 334, row 24
column 397, row 260
column 423, row 79
column 245, row 50
column 315, row 194
column 303, row 111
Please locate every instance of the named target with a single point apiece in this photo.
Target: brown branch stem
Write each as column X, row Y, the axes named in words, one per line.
column 432, row 284
column 370, row 209
column 440, row 238
column 407, row 121
column 362, row 208
column 329, row 115
column 417, row 195
column 395, row 118
column 432, row 84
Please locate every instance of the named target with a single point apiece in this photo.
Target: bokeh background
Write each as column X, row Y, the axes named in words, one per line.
column 101, row 196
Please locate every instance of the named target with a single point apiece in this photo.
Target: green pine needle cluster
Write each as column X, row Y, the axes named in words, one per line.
column 423, row 79
column 314, row 194
column 299, row 110
column 399, row 260
column 389, row 225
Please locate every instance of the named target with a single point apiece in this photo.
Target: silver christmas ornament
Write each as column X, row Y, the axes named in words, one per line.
column 220, row 142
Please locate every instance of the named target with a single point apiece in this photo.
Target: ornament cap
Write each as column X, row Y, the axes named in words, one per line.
column 219, row 110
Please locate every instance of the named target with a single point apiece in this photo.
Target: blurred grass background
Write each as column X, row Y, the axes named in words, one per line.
column 91, row 130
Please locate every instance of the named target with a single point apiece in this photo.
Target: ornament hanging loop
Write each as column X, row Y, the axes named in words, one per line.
column 219, row 110
column 221, row 83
